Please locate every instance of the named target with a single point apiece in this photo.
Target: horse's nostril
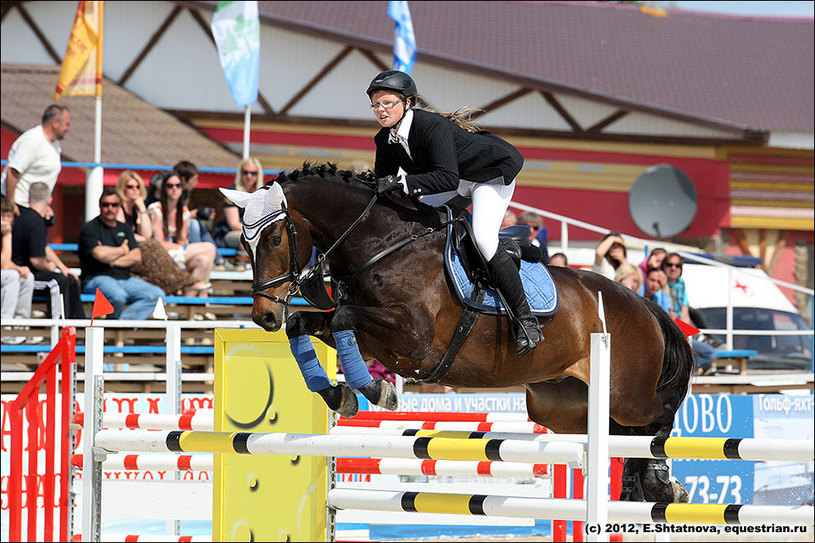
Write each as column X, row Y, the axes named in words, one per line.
column 269, row 321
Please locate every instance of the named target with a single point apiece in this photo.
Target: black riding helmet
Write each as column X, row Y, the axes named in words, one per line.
column 393, row 80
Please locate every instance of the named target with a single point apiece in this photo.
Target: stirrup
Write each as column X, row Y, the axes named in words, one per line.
column 525, row 339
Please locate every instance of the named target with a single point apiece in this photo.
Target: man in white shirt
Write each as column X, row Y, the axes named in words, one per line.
column 35, row 156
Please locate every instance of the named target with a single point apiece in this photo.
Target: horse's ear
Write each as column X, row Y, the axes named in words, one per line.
column 237, row 197
column 274, row 195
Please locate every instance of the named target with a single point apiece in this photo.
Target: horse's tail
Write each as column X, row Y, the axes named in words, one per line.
column 677, row 362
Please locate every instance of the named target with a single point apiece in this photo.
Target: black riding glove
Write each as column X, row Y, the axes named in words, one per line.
column 385, row 185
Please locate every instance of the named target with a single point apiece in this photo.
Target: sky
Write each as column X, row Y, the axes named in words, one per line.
column 785, row 9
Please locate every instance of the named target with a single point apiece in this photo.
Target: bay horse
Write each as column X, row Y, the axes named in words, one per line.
column 404, row 313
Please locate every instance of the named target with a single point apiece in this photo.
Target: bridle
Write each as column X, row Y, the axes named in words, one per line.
column 311, row 284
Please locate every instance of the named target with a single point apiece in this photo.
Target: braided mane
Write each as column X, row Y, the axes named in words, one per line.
column 328, row 170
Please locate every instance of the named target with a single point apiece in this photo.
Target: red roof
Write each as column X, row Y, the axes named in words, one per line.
column 744, row 72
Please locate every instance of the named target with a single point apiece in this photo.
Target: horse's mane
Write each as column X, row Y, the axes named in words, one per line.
column 329, row 171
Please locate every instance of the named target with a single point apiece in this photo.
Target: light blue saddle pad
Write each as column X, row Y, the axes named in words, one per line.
column 541, row 292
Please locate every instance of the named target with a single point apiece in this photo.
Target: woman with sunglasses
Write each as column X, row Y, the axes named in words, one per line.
column 248, row 178
column 444, row 159
column 171, row 223
column 157, row 266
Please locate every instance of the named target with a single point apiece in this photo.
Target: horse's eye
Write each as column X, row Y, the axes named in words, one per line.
column 275, row 240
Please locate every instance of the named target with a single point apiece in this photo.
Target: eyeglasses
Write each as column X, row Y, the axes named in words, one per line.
column 673, row 265
column 385, row 105
column 173, row 185
column 247, row 172
column 131, row 186
column 109, row 204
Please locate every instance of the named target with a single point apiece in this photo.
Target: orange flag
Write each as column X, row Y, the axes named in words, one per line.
column 81, row 73
column 686, row 328
column 101, row 306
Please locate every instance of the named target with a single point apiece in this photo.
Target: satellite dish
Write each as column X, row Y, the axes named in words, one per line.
column 662, row 201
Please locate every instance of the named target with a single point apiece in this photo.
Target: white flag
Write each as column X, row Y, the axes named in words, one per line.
column 159, row 312
column 404, row 41
column 236, row 29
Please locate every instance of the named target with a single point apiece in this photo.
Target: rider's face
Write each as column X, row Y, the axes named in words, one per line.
column 389, row 108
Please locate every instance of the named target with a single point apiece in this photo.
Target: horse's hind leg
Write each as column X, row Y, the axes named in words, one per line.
column 649, row 479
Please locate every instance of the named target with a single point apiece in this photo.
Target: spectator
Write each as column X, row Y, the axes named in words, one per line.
column 154, row 191
column 107, row 252
column 17, row 281
column 538, row 233
column 654, row 289
column 156, row 266
column 30, row 248
column 629, row 276
column 609, row 255
column 654, row 260
column 704, row 354
column 559, row 259
column 187, row 172
column 510, row 219
column 171, row 223
column 248, row 178
column 35, row 156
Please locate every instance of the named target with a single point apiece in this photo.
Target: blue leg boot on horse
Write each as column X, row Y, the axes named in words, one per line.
column 340, row 398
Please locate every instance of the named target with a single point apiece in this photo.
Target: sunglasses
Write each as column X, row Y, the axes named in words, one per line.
column 131, row 186
column 109, row 204
column 173, row 185
column 673, row 265
column 247, row 172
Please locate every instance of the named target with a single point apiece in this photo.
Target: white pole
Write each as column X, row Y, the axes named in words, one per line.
column 173, row 372
column 247, row 116
column 95, row 180
column 597, row 463
column 729, row 312
column 94, row 396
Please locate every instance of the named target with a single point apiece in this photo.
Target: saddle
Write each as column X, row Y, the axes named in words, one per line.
column 513, row 239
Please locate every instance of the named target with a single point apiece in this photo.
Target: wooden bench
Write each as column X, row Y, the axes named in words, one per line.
column 739, row 357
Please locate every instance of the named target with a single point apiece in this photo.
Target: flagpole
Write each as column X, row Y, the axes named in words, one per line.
column 247, row 116
column 95, row 182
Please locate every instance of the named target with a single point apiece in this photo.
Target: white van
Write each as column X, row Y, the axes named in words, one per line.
column 758, row 304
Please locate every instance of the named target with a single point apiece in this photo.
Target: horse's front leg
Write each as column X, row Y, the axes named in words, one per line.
column 299, row 327
column 378, row 322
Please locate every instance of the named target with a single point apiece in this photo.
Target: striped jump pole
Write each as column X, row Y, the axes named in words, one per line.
column 437, row 416
column 168, row 462
column 200, row 420
column 364, row 426
column 117, row 538
column 702, row 448
column 338, row 445
column 447, row 468
column 572, row 509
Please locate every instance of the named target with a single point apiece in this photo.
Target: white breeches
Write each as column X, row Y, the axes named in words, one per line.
column 490, row 202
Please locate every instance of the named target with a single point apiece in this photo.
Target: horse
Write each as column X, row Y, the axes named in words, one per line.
column 385, row 257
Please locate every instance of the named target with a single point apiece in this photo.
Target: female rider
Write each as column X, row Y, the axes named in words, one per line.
column 438, row 158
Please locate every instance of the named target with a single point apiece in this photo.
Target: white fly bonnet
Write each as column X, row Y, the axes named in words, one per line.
column 260, row 209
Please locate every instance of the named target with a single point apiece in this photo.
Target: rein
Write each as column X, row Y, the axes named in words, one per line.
column 311, row 284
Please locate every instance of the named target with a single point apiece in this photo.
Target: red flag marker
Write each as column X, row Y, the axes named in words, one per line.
column 101, row 306
column 686, row 328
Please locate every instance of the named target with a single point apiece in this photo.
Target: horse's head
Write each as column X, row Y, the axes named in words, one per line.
column 277, row 248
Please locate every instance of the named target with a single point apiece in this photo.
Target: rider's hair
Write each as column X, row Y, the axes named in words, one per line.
column 463, row 117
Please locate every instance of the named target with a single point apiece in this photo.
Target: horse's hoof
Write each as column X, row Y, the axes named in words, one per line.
column 341, row 398
column 382, row 393
column 680, row 492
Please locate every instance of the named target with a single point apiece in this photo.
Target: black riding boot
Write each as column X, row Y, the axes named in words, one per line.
column 504, row 274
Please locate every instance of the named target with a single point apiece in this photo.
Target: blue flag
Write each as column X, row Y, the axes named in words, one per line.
column 404, row 41
column 236, row 29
